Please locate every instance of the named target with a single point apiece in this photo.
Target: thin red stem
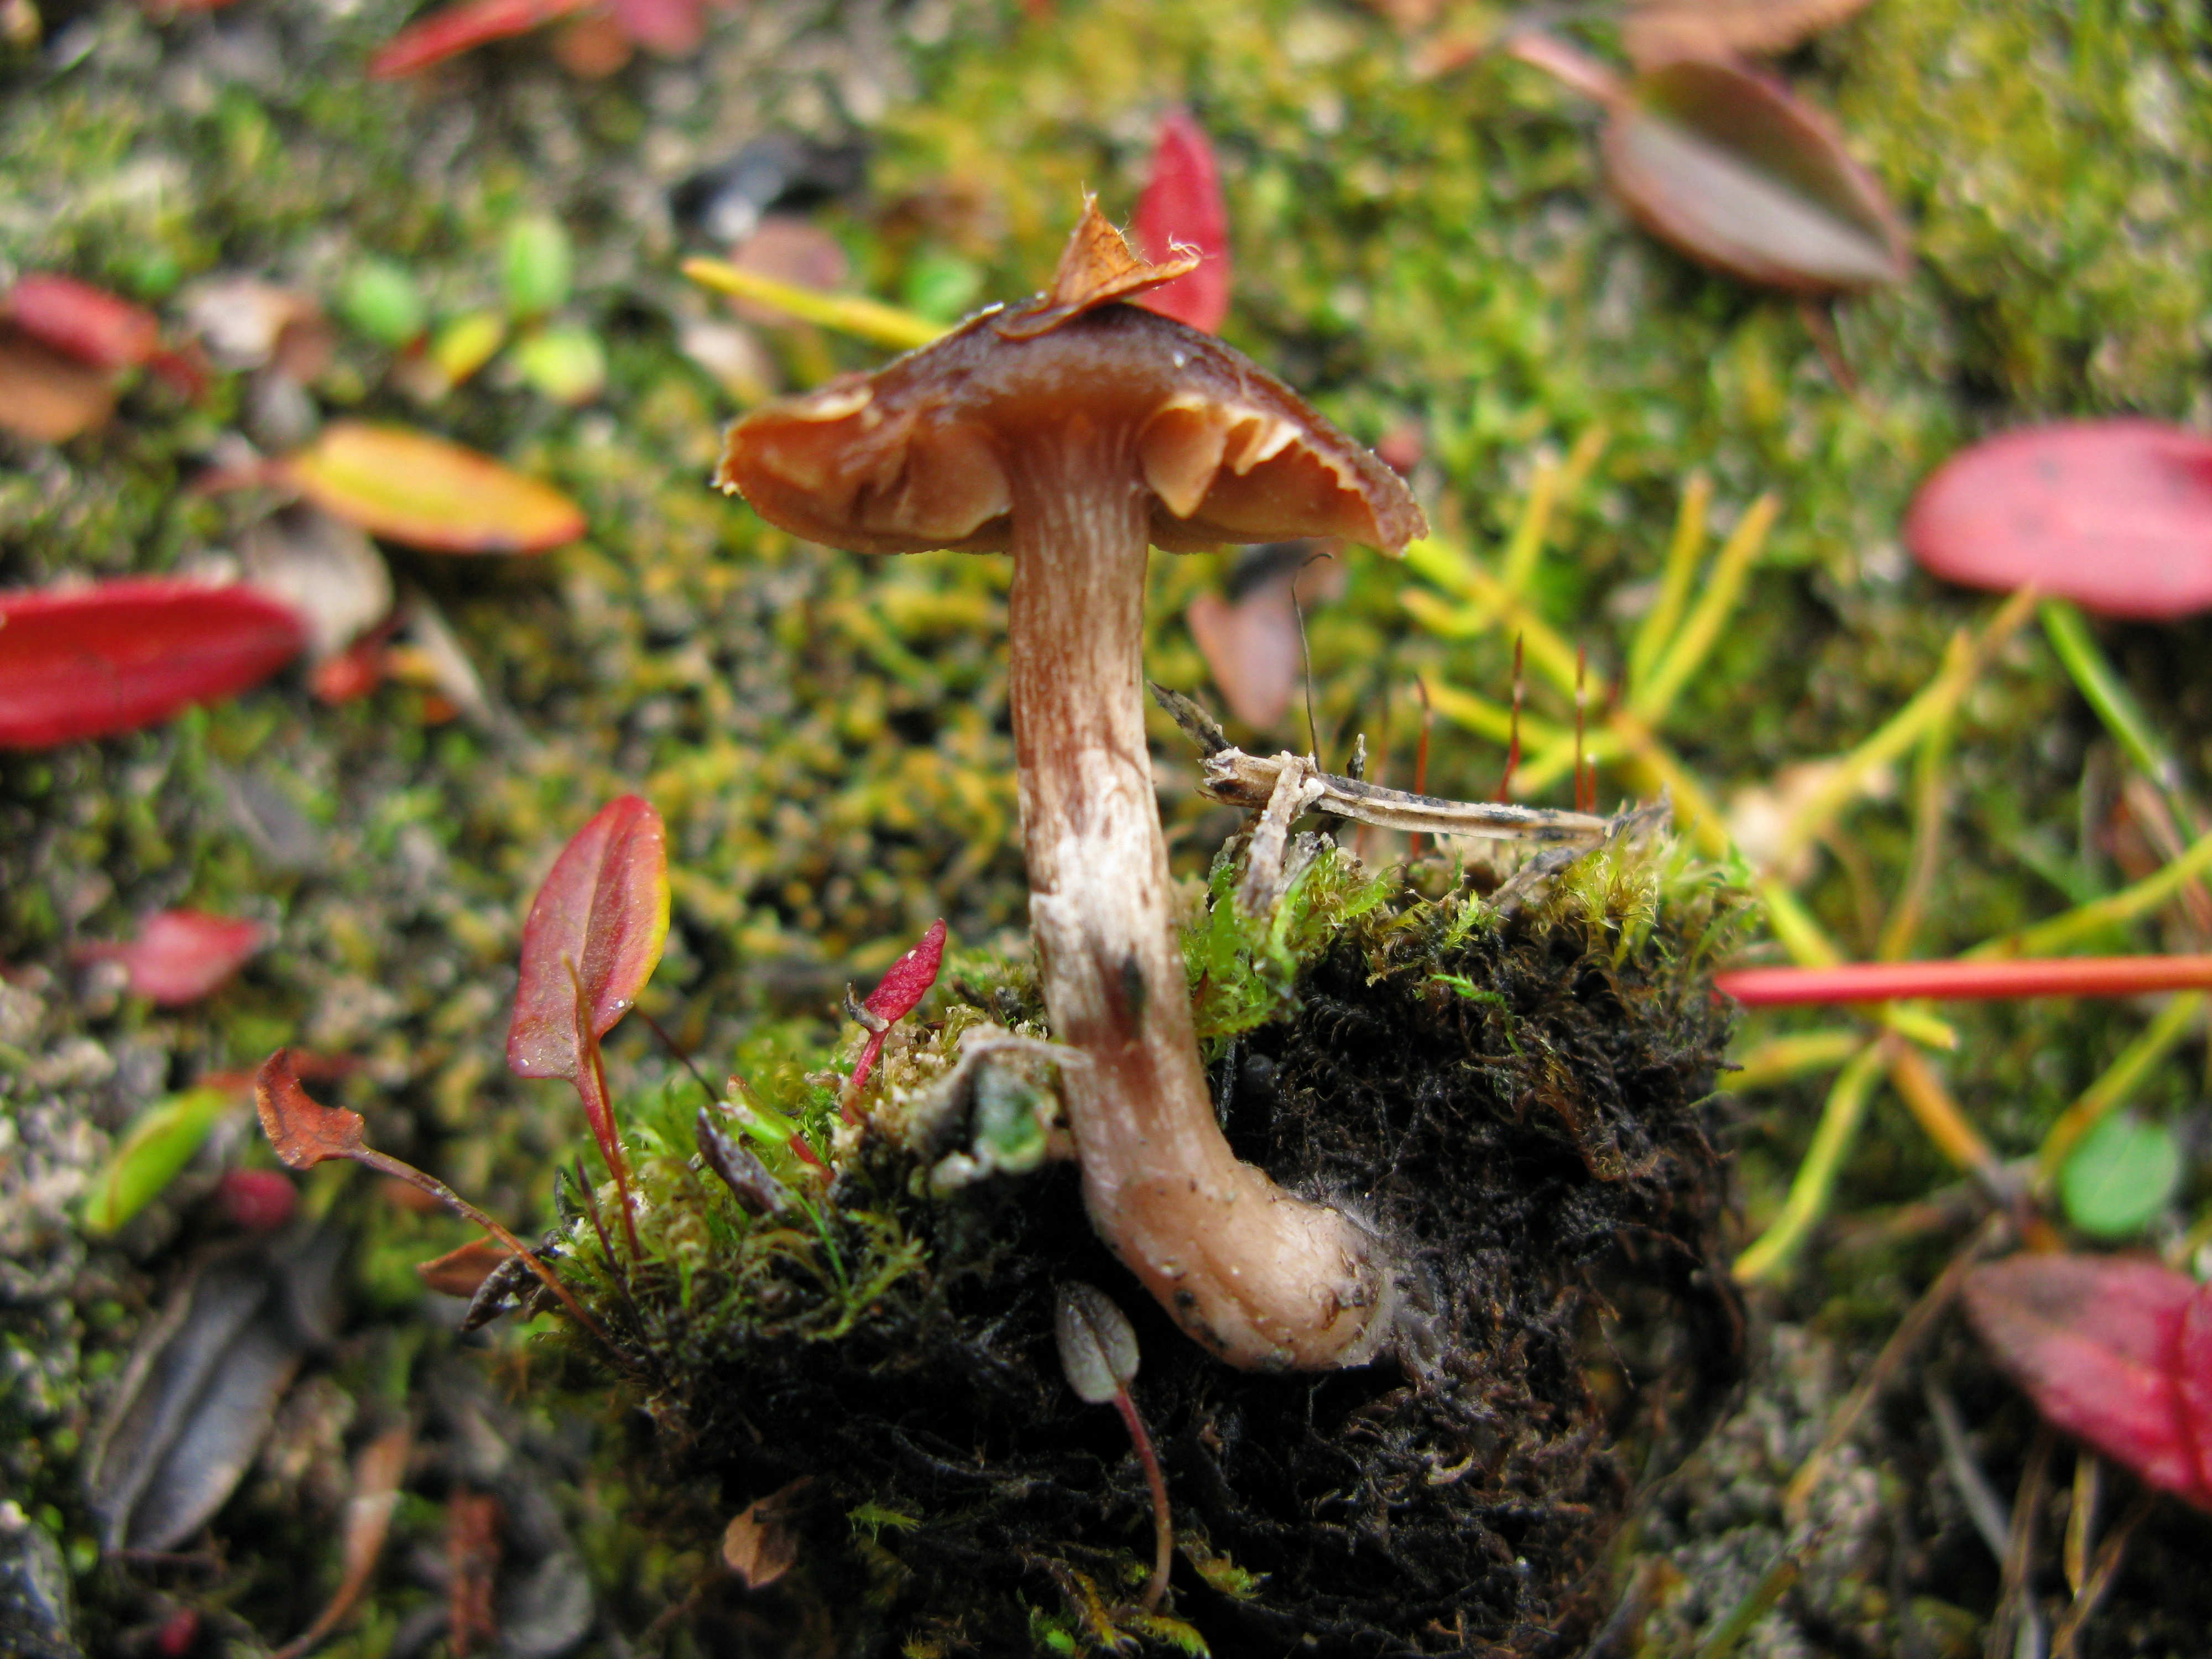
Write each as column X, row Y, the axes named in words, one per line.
column 1883, row 981
column 1162, row 1520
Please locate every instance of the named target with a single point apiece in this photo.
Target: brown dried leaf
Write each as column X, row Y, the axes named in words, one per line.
column 462, row 1272
column 303, row 1131
column 1096, row 267
column 45, row 396
column 1657, row 29
column 377, row 1472
column 761, row 1545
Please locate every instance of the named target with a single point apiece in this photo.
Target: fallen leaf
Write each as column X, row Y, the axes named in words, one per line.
column 2121, row 1174
column 47, row 395
column 1658, row 29
column 761, row 1544
column 101, row 329
column 671, row 28
column 1732, row 169
column 87, row 662
column 1097, row 1343
column 410, row 487
column 377, row 1472
column 786, row 248
column 199, row 1393
column 245, row 323
column 324, row 570
column 462, row 1273
column 749, row 1181
column 163, row 1139
column 1250, row 638
column 302, row 1131
column 472, row 1555
column 1182, row 207
column 181, row 956
column 449, row 33
column 1097, row 267
column 2104, row 1346
column 592, row 46
column 2116, row 515
column 257, row 1200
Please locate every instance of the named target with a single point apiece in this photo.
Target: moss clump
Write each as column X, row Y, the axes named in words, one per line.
column 1512, row 1093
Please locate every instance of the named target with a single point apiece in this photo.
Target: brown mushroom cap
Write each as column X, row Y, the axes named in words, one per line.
column 914, row 457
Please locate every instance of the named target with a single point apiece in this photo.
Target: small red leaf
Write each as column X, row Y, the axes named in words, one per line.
column 1183, row 204
column 303, row 1131
column 258, row 1200
column 595, row 931
column 454, row 31
column 87, row 662
column 897, row 995
column 89, row 323
column 181, row 956
column 2192, row 1371
column 671, row 29
column 900, row 990
column 2116, row 515
column 2097, row 1343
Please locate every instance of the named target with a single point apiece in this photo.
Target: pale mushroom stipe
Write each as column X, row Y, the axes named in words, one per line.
column 1073, row 433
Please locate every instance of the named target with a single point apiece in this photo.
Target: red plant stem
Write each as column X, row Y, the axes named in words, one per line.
column 601, row 1113
column 1883, row 981
column 1163, row 1521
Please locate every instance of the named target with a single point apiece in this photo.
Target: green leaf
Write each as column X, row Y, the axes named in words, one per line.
column 166, row 1138
column 2121, row 1175
column 381, row 300
column 536, row 266
column 567, row 365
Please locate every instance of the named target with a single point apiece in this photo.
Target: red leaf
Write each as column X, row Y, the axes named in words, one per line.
column 603, row 910
column 2097, row 1342
column 181, row 956
column 900, row 990
column 1183, row 204
column 2116, row 515
column 122, row 654
column 2193, row 1371
column 258, row 1200
column 303, row 1131
column 89, row 323
column 897, row 995
column 673, row 29
column 449, row 33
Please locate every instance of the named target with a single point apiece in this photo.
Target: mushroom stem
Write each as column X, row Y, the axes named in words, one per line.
column 1266, row 1280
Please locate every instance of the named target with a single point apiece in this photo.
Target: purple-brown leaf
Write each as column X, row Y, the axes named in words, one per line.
column 87, row 662
column 1734, row 171
column 2116, row 515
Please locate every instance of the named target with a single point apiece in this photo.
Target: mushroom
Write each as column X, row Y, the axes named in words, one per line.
column 1072, row 433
